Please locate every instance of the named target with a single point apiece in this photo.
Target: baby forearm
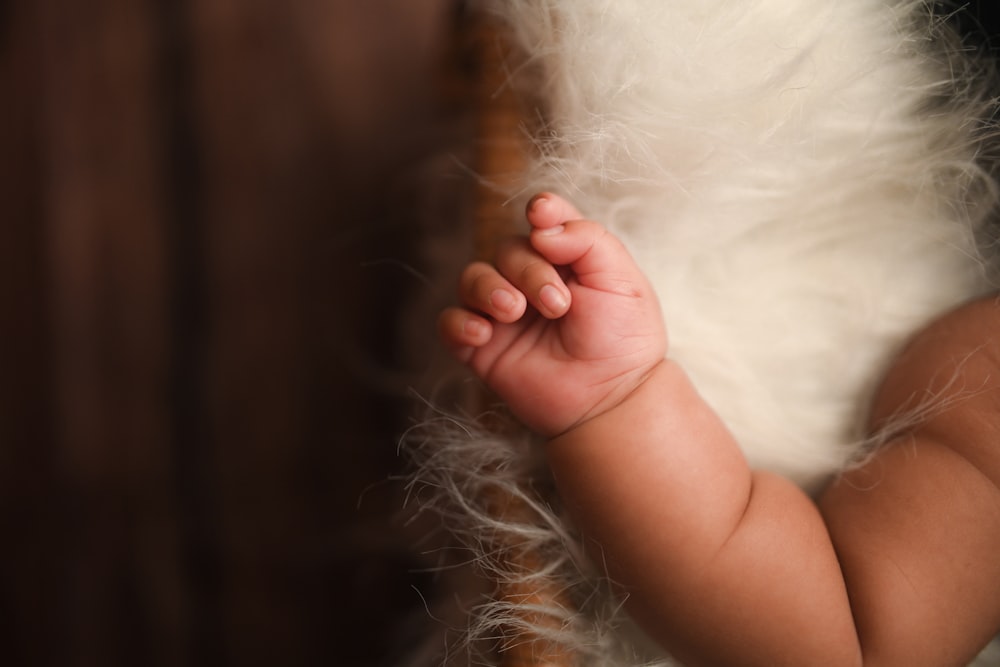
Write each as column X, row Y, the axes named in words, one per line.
column 718, row 562
column 661, row 460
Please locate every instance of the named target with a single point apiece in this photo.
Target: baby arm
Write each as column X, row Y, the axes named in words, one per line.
column 721, row 564
column 917, row 528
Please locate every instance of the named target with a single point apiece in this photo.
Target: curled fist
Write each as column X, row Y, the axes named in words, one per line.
column 563, row 325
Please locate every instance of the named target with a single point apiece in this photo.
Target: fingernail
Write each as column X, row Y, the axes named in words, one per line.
column 473, row 329
column 552, row 299
column 536, row 201
column 552, row 231
column 502, row 299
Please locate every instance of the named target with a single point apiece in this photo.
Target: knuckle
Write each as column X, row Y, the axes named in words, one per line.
column 474, row 272
column 472, row 279
column 508, row 247
column 481, row 287
column 536, row 271
column 598, row 232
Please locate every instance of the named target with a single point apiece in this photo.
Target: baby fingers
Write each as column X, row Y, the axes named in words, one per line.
column 596, row 256
column 483, row 289
column 534, row 277
column 463, row 331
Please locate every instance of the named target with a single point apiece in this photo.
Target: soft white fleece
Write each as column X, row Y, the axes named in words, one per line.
column 799, row 180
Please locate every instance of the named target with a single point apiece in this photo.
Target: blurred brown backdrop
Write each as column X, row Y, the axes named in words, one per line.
column 210, row 209
column 211, row 213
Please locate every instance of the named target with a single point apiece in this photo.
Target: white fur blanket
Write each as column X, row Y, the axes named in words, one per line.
column 804, row 183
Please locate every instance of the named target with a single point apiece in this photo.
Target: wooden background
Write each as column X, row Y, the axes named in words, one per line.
column 209, row 208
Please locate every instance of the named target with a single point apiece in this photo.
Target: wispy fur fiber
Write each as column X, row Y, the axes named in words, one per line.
column 806, row 185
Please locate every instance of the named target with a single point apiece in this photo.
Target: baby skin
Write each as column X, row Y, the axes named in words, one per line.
column 896, row 563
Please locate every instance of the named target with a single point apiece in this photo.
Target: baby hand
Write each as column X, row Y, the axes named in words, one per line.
column 564, row 326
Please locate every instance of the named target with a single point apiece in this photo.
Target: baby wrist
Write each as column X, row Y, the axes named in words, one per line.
column 654, row 385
